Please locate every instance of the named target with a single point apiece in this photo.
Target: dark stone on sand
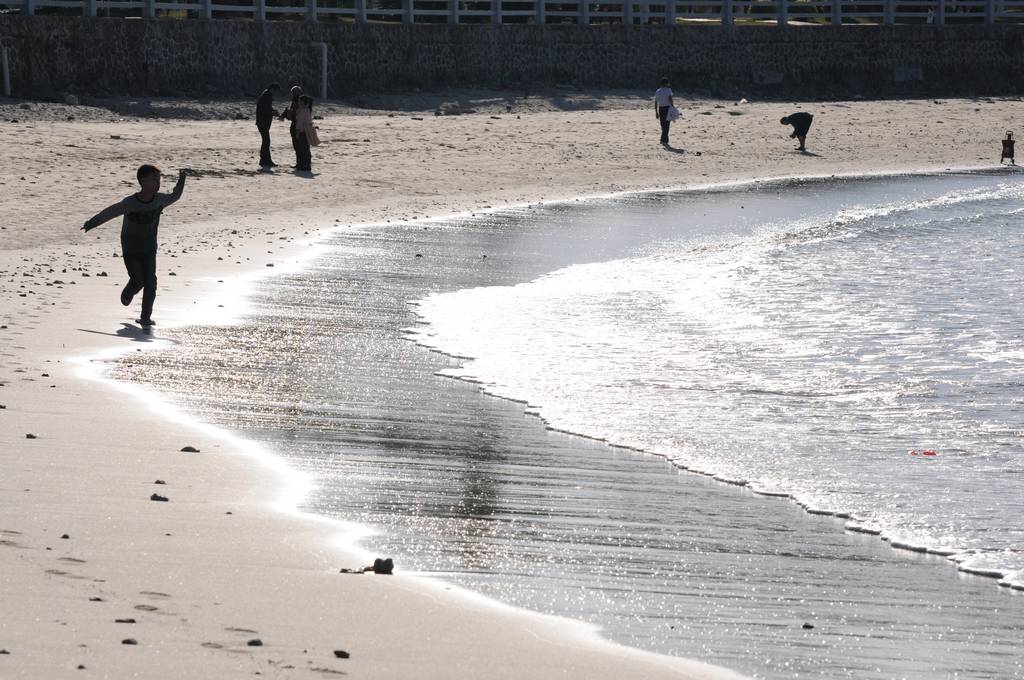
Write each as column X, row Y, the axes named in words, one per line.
column 65, row 536
column 129, row 641
column 383, row 566
column 159, row 481
column 189, row 449
column 4, row 651
column 124, row 620
column 341, row 654
column 31, row 436
column 2, row 407
column 255, row 642
column 81, row 667
column 96, row 599
column 158, row 497
column 419, row 254
column 808, row 626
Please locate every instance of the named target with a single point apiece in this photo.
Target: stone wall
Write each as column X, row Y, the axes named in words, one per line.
column 52, row 56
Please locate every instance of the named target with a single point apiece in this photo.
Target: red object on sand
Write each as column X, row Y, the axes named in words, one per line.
column 929, row 453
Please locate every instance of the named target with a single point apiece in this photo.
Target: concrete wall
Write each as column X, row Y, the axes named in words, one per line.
column 52, row 56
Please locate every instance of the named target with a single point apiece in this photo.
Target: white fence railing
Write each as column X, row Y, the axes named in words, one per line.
column 672, row 12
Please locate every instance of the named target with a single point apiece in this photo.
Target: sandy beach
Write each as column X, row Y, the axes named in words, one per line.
column 88, row 561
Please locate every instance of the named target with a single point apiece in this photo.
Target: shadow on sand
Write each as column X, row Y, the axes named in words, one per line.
column 130, row 331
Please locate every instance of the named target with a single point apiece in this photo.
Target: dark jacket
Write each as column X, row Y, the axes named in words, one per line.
column 265, row 110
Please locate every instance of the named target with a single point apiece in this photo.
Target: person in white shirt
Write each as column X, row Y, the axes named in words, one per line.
column 662, row 103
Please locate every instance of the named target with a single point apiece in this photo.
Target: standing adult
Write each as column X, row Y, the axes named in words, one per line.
column 801, row 123
column 265, row 114
column 289, row 113
column 305, row 134
column 662, row 103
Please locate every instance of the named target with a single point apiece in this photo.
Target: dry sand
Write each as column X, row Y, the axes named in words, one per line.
column 223, row 562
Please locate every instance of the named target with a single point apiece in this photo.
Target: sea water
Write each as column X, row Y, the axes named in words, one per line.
column 854, row 346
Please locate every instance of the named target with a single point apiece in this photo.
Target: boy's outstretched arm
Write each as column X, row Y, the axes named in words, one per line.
column 177, row 191
column 104, row 215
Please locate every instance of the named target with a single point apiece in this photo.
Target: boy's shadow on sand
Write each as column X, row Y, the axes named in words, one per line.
column 305, row 174
column 131, row 332
column 808, row 153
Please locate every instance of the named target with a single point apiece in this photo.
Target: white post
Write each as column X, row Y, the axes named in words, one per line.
column 206, row 10
column 889, row 13
column 360, row 11
column 89, row 8
column 311, row 10
column 7, row 72
column 496, row 12
column 783, row 11
column 940, row 14
column 149, row 9
column 260, row 11
column 453, row 11
column 584, row 12
column 670, row 12
column 627, row 11
column 990, row 11
column 406, row 11
column 837, row 12
column 541, row 7
column 727, row 12
column 30, row 7
column 323, row 68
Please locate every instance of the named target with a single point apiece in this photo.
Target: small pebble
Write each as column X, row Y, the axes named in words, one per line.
column 129, row 641
column 157, row 497
column 189, row 449
column 256, row 642
column 341, row 654
column 124, row 620
column 65, row 536
column 808, row 626
column 31, row 436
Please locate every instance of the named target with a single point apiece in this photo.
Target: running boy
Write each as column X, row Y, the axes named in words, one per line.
column 138, row 235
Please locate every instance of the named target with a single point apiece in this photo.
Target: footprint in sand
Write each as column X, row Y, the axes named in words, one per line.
column 58, row 572
column 152, row 593
column 242, row 630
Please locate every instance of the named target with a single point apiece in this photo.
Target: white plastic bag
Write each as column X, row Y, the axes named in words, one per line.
column 672, row 115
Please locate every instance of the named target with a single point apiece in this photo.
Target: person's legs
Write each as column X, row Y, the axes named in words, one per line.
column 803, row 141
column 302, row 153
column 149, row 290
column 665, row 123
column 295, row 145
column 265, row 159
column 136, row 278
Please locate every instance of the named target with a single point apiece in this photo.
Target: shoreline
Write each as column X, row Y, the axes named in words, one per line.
column 849, row 523
column 41, row 343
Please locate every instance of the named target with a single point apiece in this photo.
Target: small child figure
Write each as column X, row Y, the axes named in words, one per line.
column 138, row 235
column 1007, row 149
column 801, row 123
